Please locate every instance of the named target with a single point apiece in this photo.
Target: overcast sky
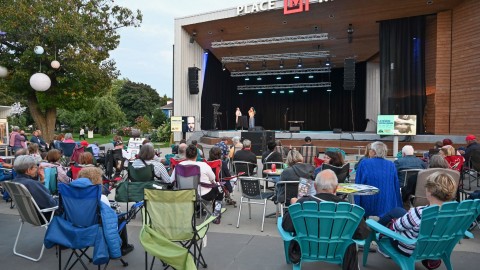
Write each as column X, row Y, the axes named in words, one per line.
column 145, row 53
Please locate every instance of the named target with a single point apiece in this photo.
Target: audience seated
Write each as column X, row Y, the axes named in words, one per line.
column 68, row 138
column 332, row 158
column 145, row 157
column 381, row 173
column 408, row 161
column 440, row 188
column 216, row 154
column 454, row 161
column 296, row 171
column 207, row 179
column 437, row 161
column 34, row 151
column 472, row 146
column 53, row 160
column 326, row 185
column 368, row 154
column 236, row 146
column 181, row 151
column 271, row 155
column 223, row 146
column 246, row 155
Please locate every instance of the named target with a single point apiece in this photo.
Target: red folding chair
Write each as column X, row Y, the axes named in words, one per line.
column 174, row 162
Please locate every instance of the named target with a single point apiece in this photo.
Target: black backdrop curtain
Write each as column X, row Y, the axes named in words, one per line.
column 402, row 68
column 321, row 110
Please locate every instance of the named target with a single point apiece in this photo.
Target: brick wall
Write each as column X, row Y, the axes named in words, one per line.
column 465, row 85
column 443, row 72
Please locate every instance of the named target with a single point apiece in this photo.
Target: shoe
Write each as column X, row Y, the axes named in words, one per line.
column 129, row 248
column 383, row 253
column 431, row 264
column 217, row 220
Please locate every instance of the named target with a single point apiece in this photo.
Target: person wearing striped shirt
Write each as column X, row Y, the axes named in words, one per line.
column 440, row 188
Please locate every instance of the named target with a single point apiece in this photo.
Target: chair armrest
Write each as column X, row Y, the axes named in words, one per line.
column 389, row 233
column 51, row 209
column 286, row 236
column 359, row 242
column 469, row 235
column 208, row 220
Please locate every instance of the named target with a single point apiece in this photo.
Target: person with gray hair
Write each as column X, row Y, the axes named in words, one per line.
column 381, row 173
column 146, row 156
column 437, row 161
column 181, row 151
column 406, row 162
column 236, row 145
column 246, row 155
column 326, row 184
column 32, row 178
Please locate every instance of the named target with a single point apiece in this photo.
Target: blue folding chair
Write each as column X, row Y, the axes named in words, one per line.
column 440, row 231
column 79, row 227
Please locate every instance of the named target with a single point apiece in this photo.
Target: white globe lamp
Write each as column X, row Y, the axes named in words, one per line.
column 3, row 72
column 38, row 50
column 55, row 64
column 40, row 82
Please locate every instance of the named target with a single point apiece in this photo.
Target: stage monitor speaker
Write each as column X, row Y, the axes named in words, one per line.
column 295, row 129
column 349, row 74
column 259, row 140
column 193, row 80
column 337, row 130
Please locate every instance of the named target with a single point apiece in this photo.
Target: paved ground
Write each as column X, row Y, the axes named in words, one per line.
column 227, row 247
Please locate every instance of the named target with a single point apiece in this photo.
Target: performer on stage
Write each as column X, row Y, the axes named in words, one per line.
column 251, row 115
column 238, row 114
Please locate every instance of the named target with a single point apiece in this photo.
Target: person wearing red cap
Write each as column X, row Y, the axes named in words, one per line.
column 447, row 141
column 472, row 147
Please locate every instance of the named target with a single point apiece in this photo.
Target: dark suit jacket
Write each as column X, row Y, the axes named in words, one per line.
column 246, row 155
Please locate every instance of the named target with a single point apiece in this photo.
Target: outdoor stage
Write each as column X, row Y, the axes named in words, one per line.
column 351, row 142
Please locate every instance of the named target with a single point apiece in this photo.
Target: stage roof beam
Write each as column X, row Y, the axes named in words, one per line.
column 278, row 56
column 283, row 86
column 270, row 40
column 280, row 72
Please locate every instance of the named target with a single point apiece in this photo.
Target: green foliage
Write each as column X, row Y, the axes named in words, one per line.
column 78, row 33
column 163, row 132
column 137, row 99
column 143, row 123
column 158, row 117
column 124, row 131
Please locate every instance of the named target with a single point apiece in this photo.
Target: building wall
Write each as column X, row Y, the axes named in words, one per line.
column 465, row 85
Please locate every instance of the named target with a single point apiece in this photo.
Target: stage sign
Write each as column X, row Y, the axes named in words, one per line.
column 397, row 125
column 176, row 124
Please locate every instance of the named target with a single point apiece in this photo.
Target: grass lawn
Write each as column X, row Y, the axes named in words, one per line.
column 100, row 139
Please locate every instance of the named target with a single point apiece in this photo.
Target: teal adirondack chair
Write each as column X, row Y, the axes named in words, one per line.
column 334, row 149
column 323, row 230
column 440, row 230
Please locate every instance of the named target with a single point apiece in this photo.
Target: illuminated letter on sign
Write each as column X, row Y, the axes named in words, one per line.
column 295, row 6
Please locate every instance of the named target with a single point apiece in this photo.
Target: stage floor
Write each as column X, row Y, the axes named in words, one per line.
column 352, row 136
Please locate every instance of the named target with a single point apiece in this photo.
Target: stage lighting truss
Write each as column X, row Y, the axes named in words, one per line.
column 284, row 86
column 279, row 56
column 270, row 40
column 280, row 72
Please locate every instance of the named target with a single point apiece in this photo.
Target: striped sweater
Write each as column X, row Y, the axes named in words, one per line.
column 409, row 226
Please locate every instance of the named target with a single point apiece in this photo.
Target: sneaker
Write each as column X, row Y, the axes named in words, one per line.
column 383, row 253
column 217, row 220
column 129, row 248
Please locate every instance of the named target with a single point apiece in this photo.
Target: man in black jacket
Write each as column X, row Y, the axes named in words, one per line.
column 246, row 155
column 326, row 185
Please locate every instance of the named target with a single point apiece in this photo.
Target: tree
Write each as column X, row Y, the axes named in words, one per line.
column 158, row 117
column 137, row 99
column 78, row 33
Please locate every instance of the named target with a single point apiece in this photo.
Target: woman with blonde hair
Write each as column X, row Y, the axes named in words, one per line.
column 454, row 161
column 440, row 188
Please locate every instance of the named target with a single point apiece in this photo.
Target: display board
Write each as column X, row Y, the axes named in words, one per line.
column 182, row 124
column 397, row 125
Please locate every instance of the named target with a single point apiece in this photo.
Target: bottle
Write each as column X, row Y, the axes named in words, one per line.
column 274, row 167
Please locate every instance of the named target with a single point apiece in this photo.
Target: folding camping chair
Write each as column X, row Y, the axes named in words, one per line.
column 169, row 230
column 188, row 177
column 29, row 212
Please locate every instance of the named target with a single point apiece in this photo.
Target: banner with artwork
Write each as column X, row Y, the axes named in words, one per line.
column 397, row 125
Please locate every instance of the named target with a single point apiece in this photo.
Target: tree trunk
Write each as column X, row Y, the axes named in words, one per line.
column 45, row 120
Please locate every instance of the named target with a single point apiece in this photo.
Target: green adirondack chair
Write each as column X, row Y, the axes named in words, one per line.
column 323, row 230
column 440, row 230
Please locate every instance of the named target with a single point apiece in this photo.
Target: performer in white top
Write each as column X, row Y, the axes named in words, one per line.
column 238, row 113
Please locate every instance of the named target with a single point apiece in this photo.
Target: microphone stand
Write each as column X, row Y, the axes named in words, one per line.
column 285, row 119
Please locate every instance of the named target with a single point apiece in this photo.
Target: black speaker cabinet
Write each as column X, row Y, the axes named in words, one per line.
column 259, row 140
column 193, row 80
column 349, row 74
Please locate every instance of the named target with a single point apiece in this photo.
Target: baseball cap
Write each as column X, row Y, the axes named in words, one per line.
column 84, row 143
column 470, row 137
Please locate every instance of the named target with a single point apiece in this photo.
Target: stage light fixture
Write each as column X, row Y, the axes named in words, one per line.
column 260, row 92
column 310, row 76
column 247, row 66
column 282, row 92
column 274, row 92
column 281, row 64
column 223, row 67
column 291, row 91
column 299, row 63
column 296, row 77
column 279, row 77
column 329, row 90
column 327, row 63
column 240, row 93
column 259, row 78
column 193, row 36
column 350, row 33
column 247, row 79
column 305, row 90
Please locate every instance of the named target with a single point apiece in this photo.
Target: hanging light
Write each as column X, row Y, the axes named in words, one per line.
column 55, row 64
column 38, row 50
column 247, row 66
column 327, row 63
column 3, row 72
column 281, row 63
column 40, row 82
column 299, row 63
